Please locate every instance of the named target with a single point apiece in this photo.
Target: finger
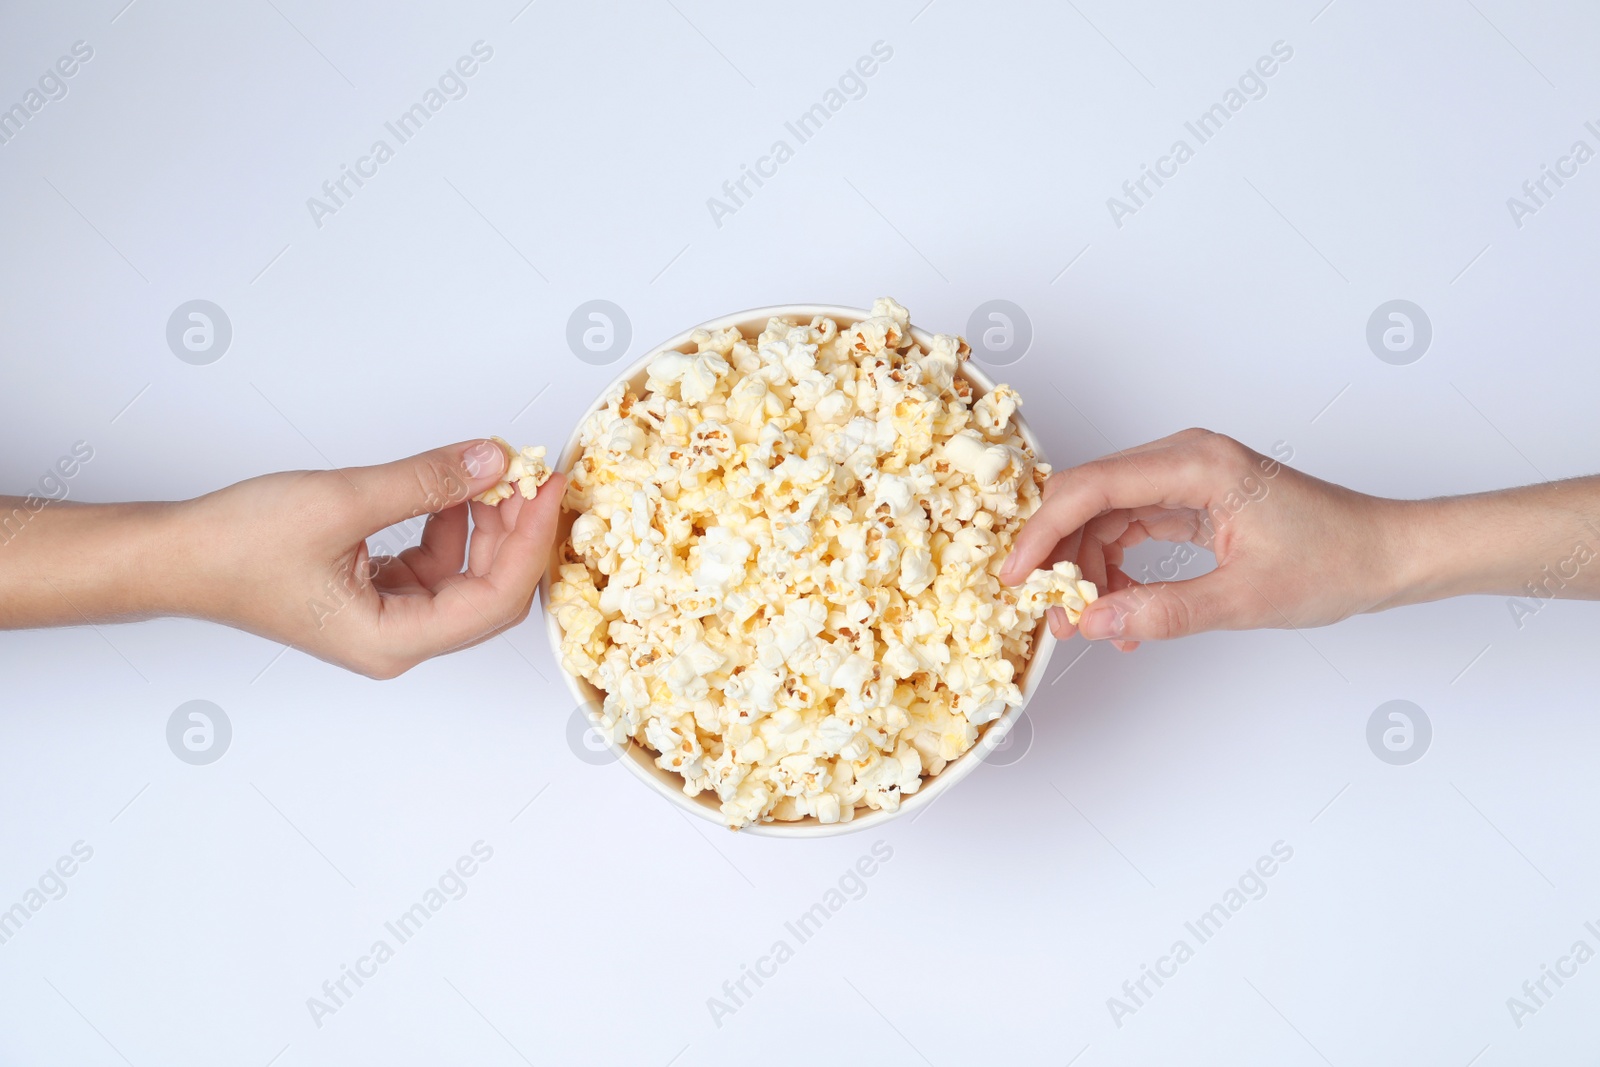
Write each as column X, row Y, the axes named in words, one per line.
column 1071, row 549
column 1184, row 524
column 1067, row 549
column 1137, row 533
column 1059, row 624
column 510, row 508
column 1053, row 484
column 488, row 530
column 378, row 571
column 1108, row 528
column 1164, row 610
column 424, row 484
column 1182, row 437
column 396, row 578
column 1092, row 562
column 1146, row 524
column 1113, row 554
column 521, row 559
column 469, row 608
column 1169, row 441
column 1171, row 478
column 443, row 546
column 1116, row 581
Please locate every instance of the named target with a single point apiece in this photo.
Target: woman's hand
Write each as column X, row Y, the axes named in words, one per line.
column 1291, row 550
column 285, row 556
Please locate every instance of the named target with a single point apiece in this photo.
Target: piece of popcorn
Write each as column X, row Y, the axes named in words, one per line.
column 1061, row 586
column 783, row 573
column 525, row 470
column 992, row 412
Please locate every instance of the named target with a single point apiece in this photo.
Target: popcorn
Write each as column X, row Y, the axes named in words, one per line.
column 992, row 412
column 1062, row 586
column 783, row 573
column 526, row 470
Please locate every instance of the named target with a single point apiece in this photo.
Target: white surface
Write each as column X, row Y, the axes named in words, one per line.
column 185, row 152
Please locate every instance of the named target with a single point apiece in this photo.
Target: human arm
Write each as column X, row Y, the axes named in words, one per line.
column 285, row 556
column 1293, row 550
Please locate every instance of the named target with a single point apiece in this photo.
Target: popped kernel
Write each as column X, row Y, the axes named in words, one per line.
column 525, row 472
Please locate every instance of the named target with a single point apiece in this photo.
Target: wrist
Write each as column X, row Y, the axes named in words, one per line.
column 170, row 578
column 1419, row 564
column 1453, row 546
column 120, row 560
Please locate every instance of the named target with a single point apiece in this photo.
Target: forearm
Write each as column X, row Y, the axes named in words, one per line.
column 1539, row 540
column 66, row 564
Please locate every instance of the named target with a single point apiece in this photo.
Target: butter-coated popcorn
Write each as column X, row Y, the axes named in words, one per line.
column 525, row 472
column 783, row 568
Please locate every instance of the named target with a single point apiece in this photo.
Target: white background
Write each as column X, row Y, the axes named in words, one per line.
column 433, row 306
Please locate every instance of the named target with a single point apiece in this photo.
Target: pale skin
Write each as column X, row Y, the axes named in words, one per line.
column 1292, row 550
column 284, row 555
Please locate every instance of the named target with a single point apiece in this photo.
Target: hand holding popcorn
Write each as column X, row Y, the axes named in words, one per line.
column 285, row 556
column 525, row 471
column 1291, row 550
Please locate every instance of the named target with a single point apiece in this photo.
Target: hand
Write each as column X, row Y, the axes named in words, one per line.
column 285, row 556
column 1291, row 550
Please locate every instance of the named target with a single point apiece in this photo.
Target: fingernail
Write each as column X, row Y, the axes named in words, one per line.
column 483, row 459
column 1102, row 621
column 1058, row 620
column 1008, row 569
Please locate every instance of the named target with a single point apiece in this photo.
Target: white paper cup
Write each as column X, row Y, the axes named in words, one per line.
column 640, row 760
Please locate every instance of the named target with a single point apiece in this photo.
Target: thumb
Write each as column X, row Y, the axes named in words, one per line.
column 426, row 483
column 1160, row 611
